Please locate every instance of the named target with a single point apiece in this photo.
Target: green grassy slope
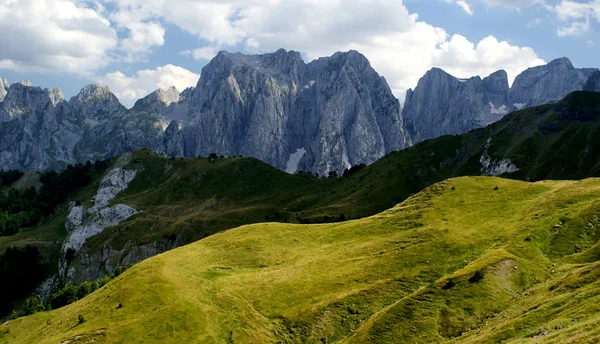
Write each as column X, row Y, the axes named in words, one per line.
column 458, row 262
column 194, row 198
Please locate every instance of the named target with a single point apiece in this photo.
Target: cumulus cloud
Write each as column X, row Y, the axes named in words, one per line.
column 67, row 35
column 399, row 46
column 131, row 88
column 207, row 19
column 462, row 58
column 204, row 53
column 51, row 35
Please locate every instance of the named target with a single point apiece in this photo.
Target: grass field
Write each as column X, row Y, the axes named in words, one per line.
column 457, row 262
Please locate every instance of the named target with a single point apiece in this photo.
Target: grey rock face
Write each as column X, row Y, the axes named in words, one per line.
column 26, row 83
column 95, row 265
column 97, row 103
column 55, row 95
column 549, row 83
column 491, row 167
column 326, row 115
column 173, row 140
column 593, row 83
column 338, row 109
column 168, row 103
column 81, row 226
column 3, row 88
column 444, row 105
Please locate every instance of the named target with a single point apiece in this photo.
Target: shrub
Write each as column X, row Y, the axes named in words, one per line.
column 478, row 276
column 80, row 319
column 33, row 305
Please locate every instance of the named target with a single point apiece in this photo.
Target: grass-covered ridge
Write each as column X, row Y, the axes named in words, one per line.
column 441, row 266
column 193, row 198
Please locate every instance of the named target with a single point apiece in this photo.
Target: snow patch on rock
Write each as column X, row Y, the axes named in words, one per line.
column 519, row 106
column 502, row 110
column 491, row 167
column 291, row 166
column 309, row 85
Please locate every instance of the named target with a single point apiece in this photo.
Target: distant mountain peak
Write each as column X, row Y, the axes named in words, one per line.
column 26, row 83
column 56, row 95
column 3, row 88
column 160, row 97
column 94, row 92
column 561, row 62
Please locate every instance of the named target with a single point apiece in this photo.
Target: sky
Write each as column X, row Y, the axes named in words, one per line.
column 137, row 46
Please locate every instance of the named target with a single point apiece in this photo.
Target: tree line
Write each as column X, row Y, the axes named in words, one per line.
column 21, row 209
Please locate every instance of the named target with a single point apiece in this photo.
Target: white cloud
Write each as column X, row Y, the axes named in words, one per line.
column 534, row 22
column 65, row 35
column 577, row 15
column 399, row 46
column 576, row 28
column 465, row 6
column 461, row 58
column 54, row 35
column 208, row 19
column 131, row 88
column 204, row 53
column 571, row 10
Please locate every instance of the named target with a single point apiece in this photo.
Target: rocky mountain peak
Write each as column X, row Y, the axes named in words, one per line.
column 442, row 104
column 56, row 95
column 160, row 97
column 96, row 102
column 26, row 83
column 497, row 80
column 21, row 100
column 3, row 88
column 547, row 83
column 561, row 62
column 282, row 65
column 93, row 93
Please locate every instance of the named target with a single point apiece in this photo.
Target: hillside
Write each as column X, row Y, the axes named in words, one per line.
column 183, row 200
column 472, row 260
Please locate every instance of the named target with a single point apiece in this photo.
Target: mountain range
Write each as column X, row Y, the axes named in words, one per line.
column 424, row 269
column 326, row 115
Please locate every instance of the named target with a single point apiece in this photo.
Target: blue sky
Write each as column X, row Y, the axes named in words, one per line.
column 136, row 46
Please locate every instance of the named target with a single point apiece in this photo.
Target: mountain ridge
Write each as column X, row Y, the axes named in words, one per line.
column 442, row 104
column 323, row 116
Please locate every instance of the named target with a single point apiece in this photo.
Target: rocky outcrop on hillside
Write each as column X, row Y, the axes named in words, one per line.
column 82, row 224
